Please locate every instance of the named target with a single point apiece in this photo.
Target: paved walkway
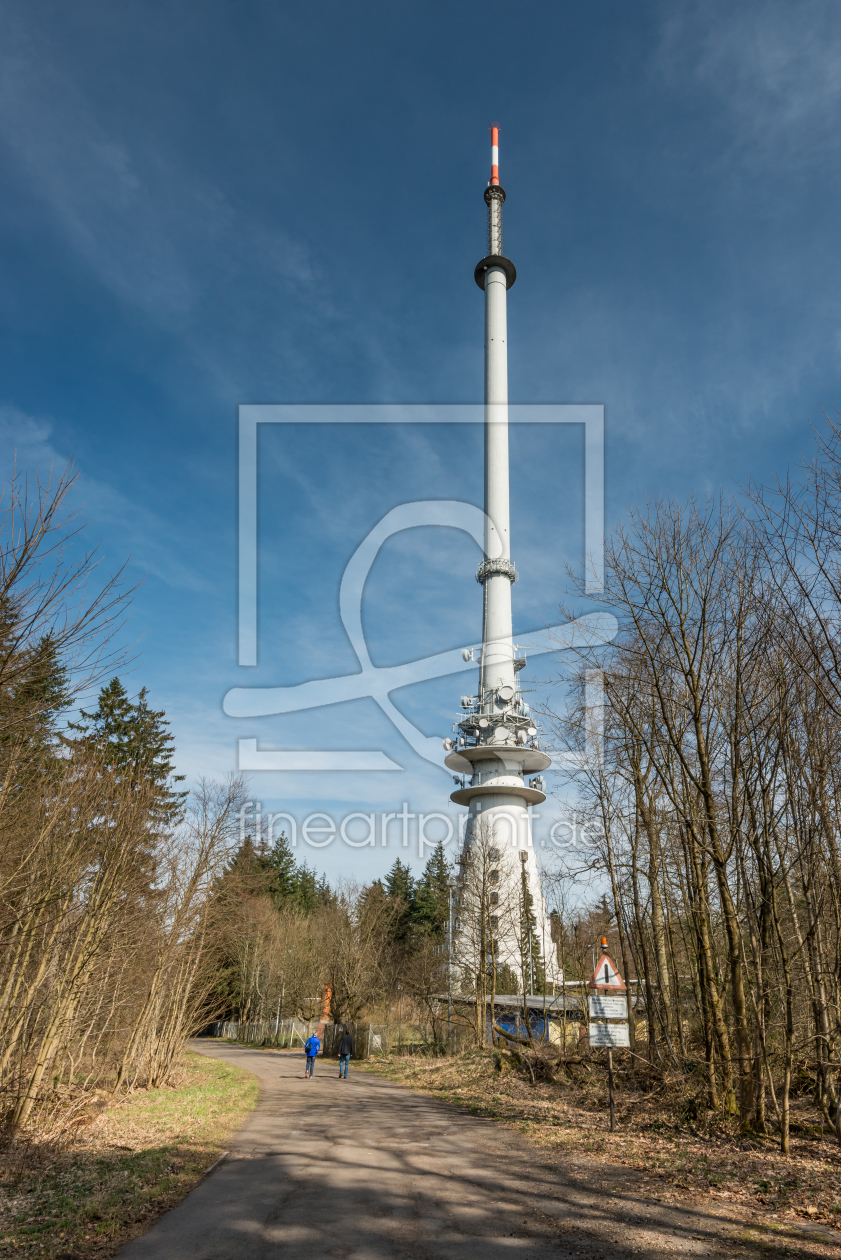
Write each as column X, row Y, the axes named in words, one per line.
column 367, row 1170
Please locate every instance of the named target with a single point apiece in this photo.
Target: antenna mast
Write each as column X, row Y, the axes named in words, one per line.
column 496, row 741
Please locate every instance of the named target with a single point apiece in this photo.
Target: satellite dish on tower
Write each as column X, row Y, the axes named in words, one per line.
column 506, row 693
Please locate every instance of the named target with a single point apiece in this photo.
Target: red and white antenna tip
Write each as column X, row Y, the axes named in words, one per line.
column 494, row 155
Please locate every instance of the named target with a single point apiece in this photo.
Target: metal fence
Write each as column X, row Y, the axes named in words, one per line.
column 368, row 1039
column 271, row 1032
column 400, row 1039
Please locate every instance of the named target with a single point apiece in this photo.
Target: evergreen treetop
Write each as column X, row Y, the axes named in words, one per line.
column 133, row 739
column 432, row 898
column 400, row 882
column 274, row 871
column 31, row 704
column 529, row 937
column 400, row 889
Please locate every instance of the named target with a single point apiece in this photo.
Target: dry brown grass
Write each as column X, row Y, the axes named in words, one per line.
column 675, row 1157
column 107, row 1181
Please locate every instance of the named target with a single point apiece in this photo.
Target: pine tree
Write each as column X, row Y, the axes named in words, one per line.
column 134, row 740
column 400, row 889
column 604, row 912
column 529, row 938
column 313, row 890
column 280, row 863
column 31, row 703
column 289, row 884
column 431, row 904
column 246, row 871
column 400, row 882
column 371, row 899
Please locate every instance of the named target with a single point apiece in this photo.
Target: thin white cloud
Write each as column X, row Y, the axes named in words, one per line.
column 155, row 234
column 773, row 65
column 26, row 443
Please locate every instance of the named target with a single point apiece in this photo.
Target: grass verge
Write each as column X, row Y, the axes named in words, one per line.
column 111, row 1181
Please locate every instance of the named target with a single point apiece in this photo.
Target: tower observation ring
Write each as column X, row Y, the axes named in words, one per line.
column 495, row 260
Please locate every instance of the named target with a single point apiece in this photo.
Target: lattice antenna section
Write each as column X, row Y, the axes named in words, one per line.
column 495, row 198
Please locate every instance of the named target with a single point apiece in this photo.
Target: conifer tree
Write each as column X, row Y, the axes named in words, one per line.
column 135, row 740
column 312, row 890
column 529, row 940
column 29, row 708
column 289, row 884
column 283, row 871
column 431, row 900
column 400, row 882
column 400, row 888
column 246, row 871
column 374, row 889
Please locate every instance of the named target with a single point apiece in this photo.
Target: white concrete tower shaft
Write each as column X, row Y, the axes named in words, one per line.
column 498, row 648
column 497, row 744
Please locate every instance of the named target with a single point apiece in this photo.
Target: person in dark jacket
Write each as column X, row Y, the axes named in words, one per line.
column 345, row 1051
column 311, row 1049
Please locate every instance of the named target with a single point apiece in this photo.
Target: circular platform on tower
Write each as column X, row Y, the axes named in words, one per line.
column 495, row 260
column 529, row 760
column 530, row 796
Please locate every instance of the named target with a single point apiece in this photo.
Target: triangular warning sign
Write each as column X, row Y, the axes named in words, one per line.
column 606, row 975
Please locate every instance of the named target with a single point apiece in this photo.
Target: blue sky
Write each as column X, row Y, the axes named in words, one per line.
column 209, row 205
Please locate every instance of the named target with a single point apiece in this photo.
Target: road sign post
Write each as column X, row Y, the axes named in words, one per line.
column 608, row 1002
column 611, row 1090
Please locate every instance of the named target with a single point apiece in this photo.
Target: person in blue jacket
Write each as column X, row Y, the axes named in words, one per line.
column 311, row 1049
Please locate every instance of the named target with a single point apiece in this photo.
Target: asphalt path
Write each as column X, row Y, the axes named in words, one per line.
column 365, row 1169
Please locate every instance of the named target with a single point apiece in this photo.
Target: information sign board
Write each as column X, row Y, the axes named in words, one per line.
column 614, row 1036
column 606, row 1006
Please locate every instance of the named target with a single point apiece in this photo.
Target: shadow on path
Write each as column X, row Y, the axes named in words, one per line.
column 367, row 1170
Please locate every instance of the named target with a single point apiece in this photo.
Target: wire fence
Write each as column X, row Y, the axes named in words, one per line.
column 368, row 1039
column 272, row 1032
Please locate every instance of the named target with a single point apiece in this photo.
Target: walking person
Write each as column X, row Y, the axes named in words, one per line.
column 345, row 1051
column 311, row 1049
